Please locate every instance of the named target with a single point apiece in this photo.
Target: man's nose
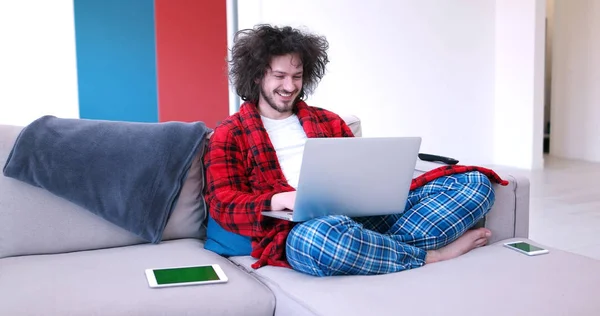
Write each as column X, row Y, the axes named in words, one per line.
column 288, row 84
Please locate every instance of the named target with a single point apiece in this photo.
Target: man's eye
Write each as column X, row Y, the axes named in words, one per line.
column 279, row 77
column 298, row 77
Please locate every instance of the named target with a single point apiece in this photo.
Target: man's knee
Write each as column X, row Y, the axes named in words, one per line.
column 478, row 198
column 307, row 243
column 477, row 177
column 480, row 189
column 313, row 234
column 475, row 196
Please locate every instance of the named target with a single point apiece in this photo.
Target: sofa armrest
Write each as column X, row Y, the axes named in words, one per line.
column 509, row 217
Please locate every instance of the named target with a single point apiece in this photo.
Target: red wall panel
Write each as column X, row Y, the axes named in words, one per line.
column 191, row 48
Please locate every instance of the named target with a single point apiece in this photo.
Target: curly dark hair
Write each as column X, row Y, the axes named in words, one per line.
column 253, row 49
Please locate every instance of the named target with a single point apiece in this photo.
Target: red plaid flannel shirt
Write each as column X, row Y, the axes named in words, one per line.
column 243, row 173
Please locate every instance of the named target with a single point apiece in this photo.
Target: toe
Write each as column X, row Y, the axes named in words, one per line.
column 484, row 232
column 481, row 242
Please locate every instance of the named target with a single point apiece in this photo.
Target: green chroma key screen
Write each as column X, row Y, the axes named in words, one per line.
column 185, row 275
column 526, row 247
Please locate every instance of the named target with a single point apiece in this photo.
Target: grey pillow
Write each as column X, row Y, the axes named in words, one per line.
column 34, row 221
column 128, row 173
column 189, row 215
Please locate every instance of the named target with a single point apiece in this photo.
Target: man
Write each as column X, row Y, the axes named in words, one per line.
column 253, row 164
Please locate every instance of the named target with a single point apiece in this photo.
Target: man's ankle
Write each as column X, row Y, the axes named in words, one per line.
column 432, row 256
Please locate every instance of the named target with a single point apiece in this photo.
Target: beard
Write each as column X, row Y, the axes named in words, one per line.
column 283, row 107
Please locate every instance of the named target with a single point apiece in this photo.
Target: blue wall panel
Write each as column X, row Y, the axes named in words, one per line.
column 116, row 60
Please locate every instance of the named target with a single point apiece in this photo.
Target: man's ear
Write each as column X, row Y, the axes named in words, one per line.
column 258, row 80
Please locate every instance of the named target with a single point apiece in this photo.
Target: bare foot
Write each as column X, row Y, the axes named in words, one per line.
column 465, row 243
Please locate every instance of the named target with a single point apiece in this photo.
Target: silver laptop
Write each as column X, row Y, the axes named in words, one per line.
column 353, row 176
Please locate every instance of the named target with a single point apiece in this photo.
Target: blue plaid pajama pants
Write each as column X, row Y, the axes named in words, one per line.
column 436, row 214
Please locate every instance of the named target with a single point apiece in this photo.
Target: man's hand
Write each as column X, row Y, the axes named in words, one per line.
column 282, row 201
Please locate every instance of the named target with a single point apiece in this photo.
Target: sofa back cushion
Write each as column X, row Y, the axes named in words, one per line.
column 34, row 221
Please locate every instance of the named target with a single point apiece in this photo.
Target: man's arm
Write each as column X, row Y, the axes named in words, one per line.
column 228, row 193
column 336, row 123
column 345, row 130
column 341, row 129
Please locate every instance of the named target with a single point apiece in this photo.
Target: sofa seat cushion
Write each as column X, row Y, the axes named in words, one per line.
column 492, row 280
column 112, row 282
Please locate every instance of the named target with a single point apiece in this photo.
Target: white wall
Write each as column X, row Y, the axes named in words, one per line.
column 37, row 61
column 425, row 68
column 575, row 131
column 519, row 86
column 548, row 61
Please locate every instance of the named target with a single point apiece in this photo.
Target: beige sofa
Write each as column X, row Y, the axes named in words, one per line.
column 56, row 258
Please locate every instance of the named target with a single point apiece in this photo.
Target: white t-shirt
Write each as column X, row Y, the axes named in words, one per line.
column 288, row 138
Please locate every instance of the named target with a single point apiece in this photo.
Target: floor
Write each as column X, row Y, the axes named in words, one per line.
column 565, row 205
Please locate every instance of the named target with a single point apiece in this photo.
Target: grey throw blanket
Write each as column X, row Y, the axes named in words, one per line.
column 127, row 173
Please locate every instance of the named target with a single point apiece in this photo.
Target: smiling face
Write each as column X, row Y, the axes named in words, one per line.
column 280, row 87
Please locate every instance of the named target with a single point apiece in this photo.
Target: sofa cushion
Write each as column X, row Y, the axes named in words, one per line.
column 189, row 214
column 34, row 221
column 128, row 173
column 491, row 280
column 113, row 281
column 226, row 243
